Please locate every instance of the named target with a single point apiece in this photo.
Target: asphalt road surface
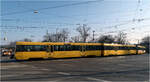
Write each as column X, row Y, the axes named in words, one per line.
column 114, row 68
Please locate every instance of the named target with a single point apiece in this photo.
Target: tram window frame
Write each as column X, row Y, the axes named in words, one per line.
column 137, row 48
column 47, row 48
column 129, row 48
column 19, row 48
column 122, row 47
column 98, row 47
column 81, row 48
column 52, row 48
column 67, row 48
column 88, row 47
column 141, row 48
column 62, row 48
column 39, row 48
column 30, row 48
column 126, row 48
column 55, row 47
column 110, row 48
column 84, row 48
column 132, row 48
column 92, row 47
column 58, row 48
column 75, row 47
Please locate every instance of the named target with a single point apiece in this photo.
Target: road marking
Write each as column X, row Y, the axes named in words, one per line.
column 124, row 64
column 45, row 69
column 9, row 76
column 63, row 73
column 95, row 79
column 12, row 66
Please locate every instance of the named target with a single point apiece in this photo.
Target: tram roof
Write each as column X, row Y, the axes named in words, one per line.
column 63, row 43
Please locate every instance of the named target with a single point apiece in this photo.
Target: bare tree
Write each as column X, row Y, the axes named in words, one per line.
column 64, row 34
column 26, row 40
column 146, row 40
column 59, row 36
column 75, row 39
column 106, row 39
column 84, row 32
column 48, row 38
column 121, row 38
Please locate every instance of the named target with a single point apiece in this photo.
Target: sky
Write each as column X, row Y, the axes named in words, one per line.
column 18, row 20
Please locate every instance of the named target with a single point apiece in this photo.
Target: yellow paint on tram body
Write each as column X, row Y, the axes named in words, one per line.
column 82, row 52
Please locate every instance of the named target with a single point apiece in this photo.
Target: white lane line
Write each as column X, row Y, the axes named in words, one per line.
column 12, row 66
column 124, row 65
column 95, row 79
column 9, row 75
column 63, row 73
column 90, row 78
column 23, row 73
column 45, row 69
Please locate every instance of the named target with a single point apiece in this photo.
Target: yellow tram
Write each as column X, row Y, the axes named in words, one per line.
column 27, row 50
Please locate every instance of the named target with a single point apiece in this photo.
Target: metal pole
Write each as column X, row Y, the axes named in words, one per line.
column 93, row 35
column 138, row 42
column 47, row 35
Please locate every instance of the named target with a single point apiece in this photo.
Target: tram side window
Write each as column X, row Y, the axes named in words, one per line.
column 122, row 48
column 75, row 47
column 35, row 48
column 57, row 48
column 62, row 47
column 132, row 48
column 110, row 47
column 20, row 48
column 39, row 48
column 93, row 47
column 126, row 48
column 89, row 47
column 67, row 47
column 141, row 48
column 98, row 47
column 30, row 48
column 137, row 48
column 129, row 48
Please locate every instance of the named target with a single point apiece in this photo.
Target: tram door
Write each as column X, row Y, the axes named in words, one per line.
column 82, row 49
column 116, row 48
column 49, row 50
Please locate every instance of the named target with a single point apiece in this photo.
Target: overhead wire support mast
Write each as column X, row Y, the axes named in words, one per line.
column 93, row 35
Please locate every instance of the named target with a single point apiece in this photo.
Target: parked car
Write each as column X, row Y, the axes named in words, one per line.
column 6, row 52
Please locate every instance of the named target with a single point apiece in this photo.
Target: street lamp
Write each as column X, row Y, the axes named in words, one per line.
column 35, row 11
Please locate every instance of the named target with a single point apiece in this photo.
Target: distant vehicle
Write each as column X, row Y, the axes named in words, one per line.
column 27, row 50
column 6, row 52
